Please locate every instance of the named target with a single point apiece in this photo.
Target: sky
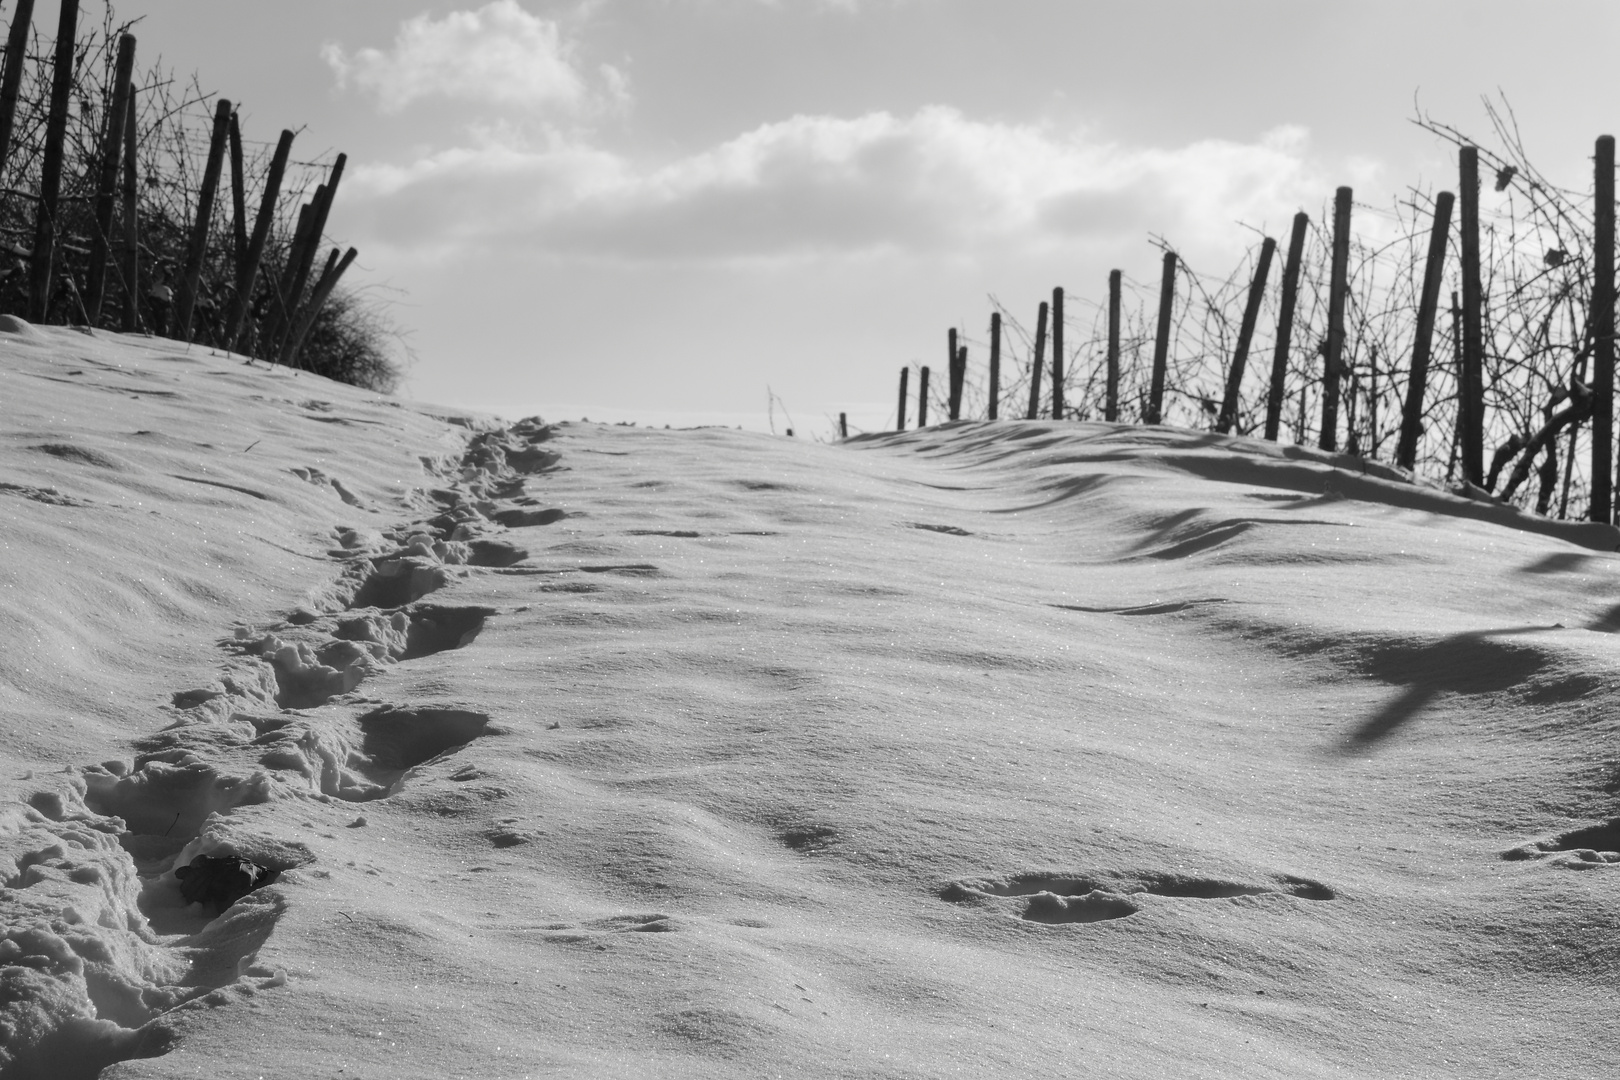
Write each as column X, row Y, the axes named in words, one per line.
column 669, row 210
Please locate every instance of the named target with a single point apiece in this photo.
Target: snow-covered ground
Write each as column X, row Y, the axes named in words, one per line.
column 1017, row 749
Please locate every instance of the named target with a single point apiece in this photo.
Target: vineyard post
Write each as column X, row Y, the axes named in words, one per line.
column 900, row 410
column 248, row 271
column 1240, row 356
column 1161, row 341
column 1285, row 325
column 922, row 399
column 322, row 210
column 280, row 317
column 16, row 60
column 1338, row 291
column 323, row 291
column 1603, row 334
column 238, row 196
column 1428, row 305
column 112, row 145
column 130, row 256
column 1057, row 353
column 961, row 376
column 1036, row 364
column 1111, row 401
column 995, row 364
column 186, row 302
column 954, row 368
column 42, row 269
column 1471, row 411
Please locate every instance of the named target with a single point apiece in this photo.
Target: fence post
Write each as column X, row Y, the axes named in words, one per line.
column 1428, row 305
column 112, row 146
column 1240, row 357
column 186, row 302
column 1036, row 364
column 247, row 271
column 322, row 209
column 130, row 260
column 16, row 59
column 1471, row 414
column 1161, row 343
column 42, row 270
column 900, row 412
column 238, row 196
column 843, row 425
column 1285, row 326
column 1111, row 399
column 961, row 378
column 1057, row 354
column 995, row 364
column 922, row 399
column 954, row 371
column 1603, row 334
column 317, row 300
column 1338, row 292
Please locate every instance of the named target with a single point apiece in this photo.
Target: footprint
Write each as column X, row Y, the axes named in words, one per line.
column 393, row 583
column 1048, row 898
column 808, row 838
column 522, row 519
column 494, row 553
column 398, row 738
column 1581, row 849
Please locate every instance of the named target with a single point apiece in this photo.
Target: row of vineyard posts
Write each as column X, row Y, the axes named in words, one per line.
column 262, row 309
column 1584, row 401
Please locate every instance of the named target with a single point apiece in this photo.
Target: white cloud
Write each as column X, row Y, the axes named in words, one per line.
column 498, row 54
column 936, row 183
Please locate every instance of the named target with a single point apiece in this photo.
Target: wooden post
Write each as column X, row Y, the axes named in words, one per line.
column 1161, row 343
column 1457, row 363
column 186, row 302
column 1338, row 293
column 247, row 271
column 922, row 399
column 954, row 370
column 1285, row 326
column 843, row 425
column 238, row 197
column 961, row 378
column 995, row 364
column 41, row 283
column 130, row 257
column 112, row 147
column 1057, row 354
column 900, row 410
column 1471, row 414
column 16, row 59
column 322, row 210
column 1603, row 334
column 1428, row 306
column 1240, row 357
column 279, row 318
column 317, row 300
column 1036, row 364
column 1111, row 400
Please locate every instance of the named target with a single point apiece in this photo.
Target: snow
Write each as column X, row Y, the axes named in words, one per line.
column 597, row 751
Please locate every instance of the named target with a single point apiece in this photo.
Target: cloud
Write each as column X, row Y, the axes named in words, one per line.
column 498, row 54
column 935, row 183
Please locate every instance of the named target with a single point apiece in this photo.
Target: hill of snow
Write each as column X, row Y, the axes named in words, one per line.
column 1013, row 749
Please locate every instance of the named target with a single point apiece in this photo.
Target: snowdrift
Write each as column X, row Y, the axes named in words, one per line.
column 1010, row 749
